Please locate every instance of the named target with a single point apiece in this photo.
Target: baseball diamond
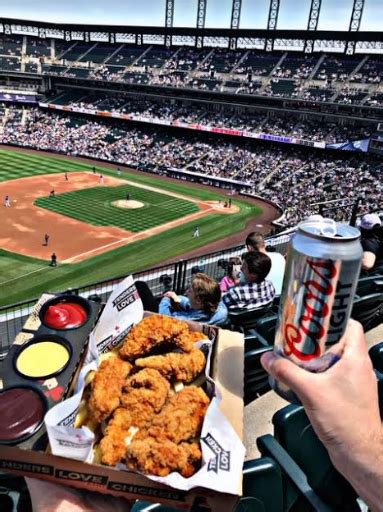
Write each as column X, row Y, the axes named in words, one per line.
column 91, row 235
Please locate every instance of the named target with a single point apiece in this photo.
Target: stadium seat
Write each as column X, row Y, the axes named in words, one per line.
column 265, row 327
column 369, row 285
column 245, row 319
column 262, row 486
column 368, row 310
column 293, row 431
column 14, row 494
column 256, row 378
column 376, row 355
column 254, row 341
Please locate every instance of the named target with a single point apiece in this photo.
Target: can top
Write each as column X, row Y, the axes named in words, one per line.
column 317, row 226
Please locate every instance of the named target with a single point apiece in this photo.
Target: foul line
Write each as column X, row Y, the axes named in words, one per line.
column 140, row 235
column 23, row 275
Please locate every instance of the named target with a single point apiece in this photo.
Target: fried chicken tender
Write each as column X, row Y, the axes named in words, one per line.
column 107, row 387
column 154, row 331
column 183, row 367
column 113, row 445
column 144, row 395
column 181, row 418
column 195, row 336
column 163, row 457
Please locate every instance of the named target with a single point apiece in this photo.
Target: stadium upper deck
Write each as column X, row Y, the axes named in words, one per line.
column 236, row 62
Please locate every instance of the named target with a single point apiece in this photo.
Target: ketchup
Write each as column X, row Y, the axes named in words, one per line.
column 65, row 315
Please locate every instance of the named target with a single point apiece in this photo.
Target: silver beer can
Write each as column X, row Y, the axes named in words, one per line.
column 321, row 276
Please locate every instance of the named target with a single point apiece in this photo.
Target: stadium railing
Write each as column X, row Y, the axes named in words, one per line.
column 173, row 276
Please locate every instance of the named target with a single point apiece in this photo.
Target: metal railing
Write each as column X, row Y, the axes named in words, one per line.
column 174, row 276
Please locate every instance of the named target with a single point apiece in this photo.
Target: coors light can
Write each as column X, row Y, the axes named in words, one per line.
column 321, row 275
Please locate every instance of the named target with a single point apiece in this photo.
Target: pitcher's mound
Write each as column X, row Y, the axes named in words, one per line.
column 123, row 203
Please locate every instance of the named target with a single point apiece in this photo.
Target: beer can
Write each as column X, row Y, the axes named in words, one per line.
column 321, row 276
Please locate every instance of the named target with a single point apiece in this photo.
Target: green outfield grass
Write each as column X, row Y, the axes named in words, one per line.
column 95, row 206
column 22, row 277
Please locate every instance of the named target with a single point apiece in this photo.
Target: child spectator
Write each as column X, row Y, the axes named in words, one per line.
column 232, row 277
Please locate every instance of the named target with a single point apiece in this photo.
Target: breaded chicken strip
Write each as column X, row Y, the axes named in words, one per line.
column 181, row 418
column 154, row 331
column 113, row 445
column 144, row 395
column 145, row 392
column 107, row 387
column 184, row 367
column 161, row 458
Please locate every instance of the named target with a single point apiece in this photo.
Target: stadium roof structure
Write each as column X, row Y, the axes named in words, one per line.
column 269, row 38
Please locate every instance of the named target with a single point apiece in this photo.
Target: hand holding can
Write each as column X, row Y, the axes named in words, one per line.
column 321, row 275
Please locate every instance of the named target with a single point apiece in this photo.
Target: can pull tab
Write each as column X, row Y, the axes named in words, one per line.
column 327, row 227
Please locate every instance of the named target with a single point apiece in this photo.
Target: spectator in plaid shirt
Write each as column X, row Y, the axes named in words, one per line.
column 256, row 290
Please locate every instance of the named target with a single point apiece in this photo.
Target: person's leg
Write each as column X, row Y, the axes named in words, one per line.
column 148, row 300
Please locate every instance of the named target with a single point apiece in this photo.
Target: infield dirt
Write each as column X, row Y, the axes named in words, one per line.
column 25, row 224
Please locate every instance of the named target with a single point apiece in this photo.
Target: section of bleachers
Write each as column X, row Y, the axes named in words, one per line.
column 100, row 53
column 283, row 87
column 155, row 57
column 77, row 51
column 125, row 56
column 370, row 72
column 37, row 47
column 31, row 67
column 257, row 63
column 296, row 66
column 221, row 60
column 11, row 45
column 61, row 47
column 10, row 64
column 335, row 67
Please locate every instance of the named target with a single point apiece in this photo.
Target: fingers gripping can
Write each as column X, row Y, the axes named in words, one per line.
column 322, row 271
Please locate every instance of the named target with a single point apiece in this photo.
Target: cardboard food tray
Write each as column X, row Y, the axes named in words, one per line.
column 226, row 369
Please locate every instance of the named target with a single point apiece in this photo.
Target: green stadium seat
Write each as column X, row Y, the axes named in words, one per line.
column 293, row 431
column 369, row 285
column 376, row 356
column 262, row 486
column 256, row 378
column 368, row 310
column 245, row 319
column 293, row 477
column 265, row 327
column 255, row 341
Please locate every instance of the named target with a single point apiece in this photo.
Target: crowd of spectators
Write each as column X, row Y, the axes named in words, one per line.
column 280, row 74
column 289, row 125
column 283, row 174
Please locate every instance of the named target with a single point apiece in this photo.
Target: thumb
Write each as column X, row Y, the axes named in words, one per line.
column 287, row 372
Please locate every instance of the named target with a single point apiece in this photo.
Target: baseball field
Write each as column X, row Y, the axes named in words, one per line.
column 101, row 222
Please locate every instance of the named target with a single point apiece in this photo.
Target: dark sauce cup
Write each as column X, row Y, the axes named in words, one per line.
column 22, row 411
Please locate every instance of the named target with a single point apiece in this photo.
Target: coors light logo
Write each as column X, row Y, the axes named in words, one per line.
column 320, row 311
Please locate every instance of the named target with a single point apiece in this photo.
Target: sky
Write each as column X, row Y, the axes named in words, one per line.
column 293, row 14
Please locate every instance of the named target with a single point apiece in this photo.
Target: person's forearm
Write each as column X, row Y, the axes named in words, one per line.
column 362, row 466
column 165, row 307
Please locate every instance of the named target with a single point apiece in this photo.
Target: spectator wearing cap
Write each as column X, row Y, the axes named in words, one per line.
column 372, row 241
